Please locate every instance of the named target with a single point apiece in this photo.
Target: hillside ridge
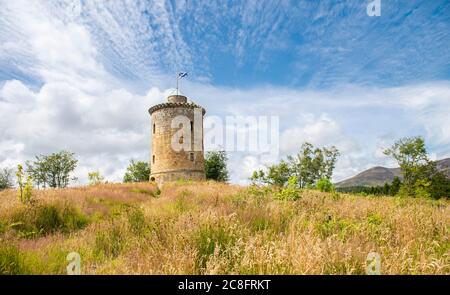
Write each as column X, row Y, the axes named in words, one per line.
column 379, row 175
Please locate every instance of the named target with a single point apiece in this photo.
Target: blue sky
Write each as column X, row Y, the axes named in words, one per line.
column 81, row 75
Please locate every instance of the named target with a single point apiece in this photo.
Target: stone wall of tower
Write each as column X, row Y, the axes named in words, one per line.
column 166, row 163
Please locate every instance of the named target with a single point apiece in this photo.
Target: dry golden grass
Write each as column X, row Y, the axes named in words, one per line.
column 214, row 228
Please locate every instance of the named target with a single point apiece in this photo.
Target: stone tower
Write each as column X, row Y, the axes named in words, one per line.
column 174, row 124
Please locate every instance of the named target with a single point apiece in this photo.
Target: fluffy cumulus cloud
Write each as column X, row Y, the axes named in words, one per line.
column 77, row 105
column 104, row 130
column 81, row 76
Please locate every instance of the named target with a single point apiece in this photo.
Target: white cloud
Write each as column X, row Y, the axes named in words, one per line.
column 241, row 167
column 318, row 131
column 58, row 116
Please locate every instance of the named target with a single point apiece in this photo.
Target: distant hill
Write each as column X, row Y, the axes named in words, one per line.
column 380, row 175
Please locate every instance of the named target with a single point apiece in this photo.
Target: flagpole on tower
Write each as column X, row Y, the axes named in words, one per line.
column 180, row 75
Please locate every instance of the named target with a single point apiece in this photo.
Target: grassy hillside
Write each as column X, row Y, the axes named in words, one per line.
column 372, row 177
column 212, row 228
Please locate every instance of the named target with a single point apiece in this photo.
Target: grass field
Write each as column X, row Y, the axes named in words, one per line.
column 213, row 228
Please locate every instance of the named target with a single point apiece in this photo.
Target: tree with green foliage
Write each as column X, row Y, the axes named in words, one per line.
column 411, row 155
column 95, row 178
column 309, row 166
column 277, row 175
column 216, row 166
column 53, row 170
column 325, row 185
column 385, row 190
column 420, row 175
column 439, row 186
column 395, row 186
column 137, row 171
column 6, row 178
column 313, row 163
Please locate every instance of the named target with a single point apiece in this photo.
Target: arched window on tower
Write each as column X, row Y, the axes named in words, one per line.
column 154, row 128
column 153, row 160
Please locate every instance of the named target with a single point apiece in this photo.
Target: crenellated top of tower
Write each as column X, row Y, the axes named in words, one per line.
column 175, row 101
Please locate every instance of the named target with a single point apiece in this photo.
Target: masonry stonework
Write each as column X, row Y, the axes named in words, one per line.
column 166, row 163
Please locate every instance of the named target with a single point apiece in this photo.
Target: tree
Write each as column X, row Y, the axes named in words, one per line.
column 309, row 166
column 420, row 175
column 325, row 185
column 312, row 164
column 137, row 171
column 95, row 178
column 6, row 178
column 440, row 186
column 216, row 166
column 395, row 186
column 277, row 175
column 411, row 155
column 53, row 170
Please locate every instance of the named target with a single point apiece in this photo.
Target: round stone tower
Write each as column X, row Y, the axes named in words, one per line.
column 177, row 140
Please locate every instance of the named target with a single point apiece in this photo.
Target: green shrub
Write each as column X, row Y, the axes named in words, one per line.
column 47, row 219
column 43, row 219
column 336, row 226
column 10, row 261
column 290, row 192
column 422, row 188
column 325, row 185
column 72, row 219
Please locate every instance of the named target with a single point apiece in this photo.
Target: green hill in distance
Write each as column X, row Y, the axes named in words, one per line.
column 378, row 175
